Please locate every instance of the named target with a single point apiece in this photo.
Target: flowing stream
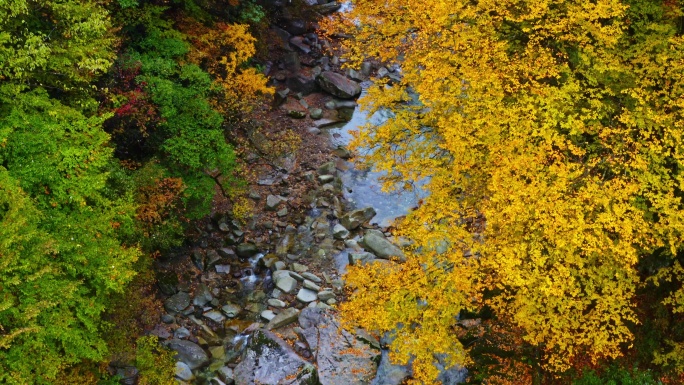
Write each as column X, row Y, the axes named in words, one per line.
column 362, row 188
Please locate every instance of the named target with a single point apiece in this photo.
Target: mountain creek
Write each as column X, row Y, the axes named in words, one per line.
column 253, row 302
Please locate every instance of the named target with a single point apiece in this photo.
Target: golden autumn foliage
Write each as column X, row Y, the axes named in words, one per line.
column 550, row 137
column 225, row 50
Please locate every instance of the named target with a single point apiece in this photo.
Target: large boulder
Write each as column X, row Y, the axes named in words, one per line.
column 376, row 242
column 270, row 360
column 353, row 219
column 341, row 358
column 189, row 352
column 338, row 85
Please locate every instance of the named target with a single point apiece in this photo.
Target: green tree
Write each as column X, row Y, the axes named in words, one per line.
column 56, row 44
column 62, row 256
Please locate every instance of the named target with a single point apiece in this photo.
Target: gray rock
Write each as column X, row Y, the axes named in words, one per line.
column 283, row 318
column 272, row 202
column 355, row 75
column 306, row 295
column 341, row 358
column 255, row 195
column 177, row 302
column 338, row 85
column 360, row 258
column 231, row 310
column 280, row 97
column 327, row 169
column 283, row 35
column 215, row 316
column 342, row 152
column 353, row 219
column 183, row 372
column 302, row 82
column 128, row 374
column 296, row 26
column 277, row 275
column 330, row 105
column 381, row 247
column 345, row 104
column 188, row 352
column 311, row 286
column 299, row 268
column 298, row 42
column 211, row 258
column 390, row 374
column 268, row 315
column 226, row 374
column 197, row 259
column 340, row 232
column 222, row 269
column 280, row 265
column 366, row 68
column 311, row 277
column 246, row 250
column 286, row 283
column 168, row 319
column 326, row 295
column 282, row 212
column 328, row 8
column 352, row 244
column 276, row 303
column 181, row 333
column 270, row 360
column 291, row 61
column 202, row 296
column 382, row 72
column 322, row 123
column 314, row 130
column 316, row 113
column 226, row 252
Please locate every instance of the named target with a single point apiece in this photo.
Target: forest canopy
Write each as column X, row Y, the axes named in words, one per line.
column 549, row 135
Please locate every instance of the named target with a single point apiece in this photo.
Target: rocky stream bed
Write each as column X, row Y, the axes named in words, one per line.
column 254, row 303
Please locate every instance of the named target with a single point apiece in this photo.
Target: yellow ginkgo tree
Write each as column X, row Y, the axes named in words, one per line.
column 550, row 136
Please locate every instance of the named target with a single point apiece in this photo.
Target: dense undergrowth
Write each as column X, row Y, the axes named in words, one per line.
column 114, row 132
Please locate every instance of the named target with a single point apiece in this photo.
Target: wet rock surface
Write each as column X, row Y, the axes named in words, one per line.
column 341, row 358
column 270, row 360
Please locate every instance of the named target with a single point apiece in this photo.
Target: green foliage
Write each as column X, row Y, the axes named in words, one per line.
column 618, row 376
column 63, row 255
column 189, row 139
column 54, row 43
column 251, row 12
column 155, row 363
